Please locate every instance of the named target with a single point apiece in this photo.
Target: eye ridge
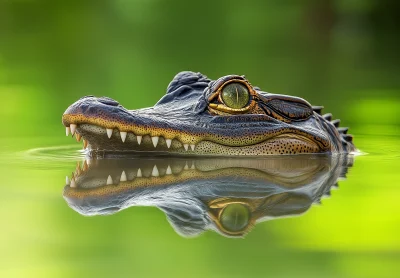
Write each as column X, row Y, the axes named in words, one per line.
column 235, row 95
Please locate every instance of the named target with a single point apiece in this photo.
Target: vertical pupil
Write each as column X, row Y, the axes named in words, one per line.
column 235, row 95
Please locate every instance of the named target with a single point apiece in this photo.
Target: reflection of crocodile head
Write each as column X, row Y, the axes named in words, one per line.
column 198, row 116
column 226, row 195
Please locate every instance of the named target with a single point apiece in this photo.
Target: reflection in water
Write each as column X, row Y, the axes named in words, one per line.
column 227, row 195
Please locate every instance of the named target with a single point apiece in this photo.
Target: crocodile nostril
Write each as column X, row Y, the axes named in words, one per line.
column 108, row 101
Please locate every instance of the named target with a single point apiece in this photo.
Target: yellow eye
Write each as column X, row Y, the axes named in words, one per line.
column 235, row 95
column 235, row 217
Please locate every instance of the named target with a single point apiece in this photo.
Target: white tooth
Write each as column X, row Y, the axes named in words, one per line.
column 67, row 130
column 67, row 181
column 168, row 141
column 139, row 139
column 109, row 180
column 155, row 172
column 73, row 128
column 73, row 185
column 155, row 140
column 123, row 176
column 186, row 166
column 123, row 135
column 186, row 146
column 109, row 132
column 169, row 171
column 139, row 173
column 192, row 146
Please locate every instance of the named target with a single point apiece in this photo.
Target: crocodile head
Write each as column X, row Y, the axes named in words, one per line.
column 198, row 116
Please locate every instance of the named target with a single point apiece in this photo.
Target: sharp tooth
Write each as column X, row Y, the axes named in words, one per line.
column 123, row 136
column 78, row 137
column 186, row 146
column 192, row 146
column 78, row 169
column 155, row 140
column 72, row 128
column 123, row 176
column 169, row 171
column 67, row 181
column 67, row 130
column 139, row 139
column 155, row 172
column 109, row 132
column 109, row 180
column 168, row 141
column 85, row 143
column 85, row 166
column 73, row 185
column 139, row 173
column 186, row 166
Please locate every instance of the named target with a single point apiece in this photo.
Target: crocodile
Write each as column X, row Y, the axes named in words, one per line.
column 228, row 195
column 200, row 116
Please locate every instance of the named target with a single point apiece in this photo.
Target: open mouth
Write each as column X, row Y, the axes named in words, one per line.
column 98, row 137
column 169, row 141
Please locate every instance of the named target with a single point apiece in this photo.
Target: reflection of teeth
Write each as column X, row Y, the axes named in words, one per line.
column 67, row 181
column 67, row 130
column 169, row 171
column 186, row 166
column 155, row 140
column 139, row 139
column 155, row 172
column 78, row 169
column 186, row 146
column 109, row 132
column 192, row 147
column 123, row 176
column 139, row 173
column 123, row 136
column 109, row 180
column 73, row 128
column 73, row 185
column 192, row 167
column 168, row 141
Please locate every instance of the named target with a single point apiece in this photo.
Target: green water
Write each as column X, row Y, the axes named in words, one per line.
column 342, row 55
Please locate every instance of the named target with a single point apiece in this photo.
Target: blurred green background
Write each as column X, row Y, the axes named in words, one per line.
column 342, row 54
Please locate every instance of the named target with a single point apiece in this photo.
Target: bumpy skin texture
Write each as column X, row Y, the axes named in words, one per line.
column 190, row 119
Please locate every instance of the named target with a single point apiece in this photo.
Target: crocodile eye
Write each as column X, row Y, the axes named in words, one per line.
column 235, row 217
column 235, row 95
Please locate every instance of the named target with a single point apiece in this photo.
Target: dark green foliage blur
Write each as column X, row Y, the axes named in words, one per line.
column 342, row 54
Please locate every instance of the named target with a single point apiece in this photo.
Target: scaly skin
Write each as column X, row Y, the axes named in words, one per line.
column 192, row 119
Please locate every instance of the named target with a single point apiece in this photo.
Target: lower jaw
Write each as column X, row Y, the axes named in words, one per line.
column 280, row 145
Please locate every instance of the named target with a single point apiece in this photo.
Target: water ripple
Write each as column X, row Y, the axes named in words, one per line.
column 50, row 157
